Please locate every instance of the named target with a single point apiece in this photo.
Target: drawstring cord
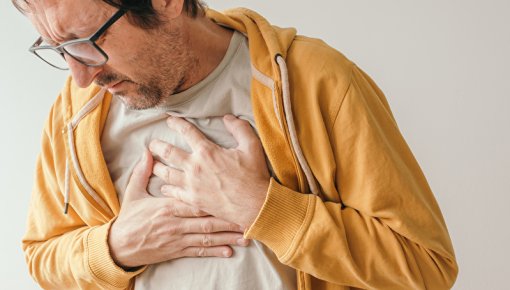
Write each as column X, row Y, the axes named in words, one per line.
column 287, row 107
column 91, row 105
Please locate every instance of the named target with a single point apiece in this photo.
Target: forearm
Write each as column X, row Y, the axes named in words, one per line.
column 78, row 259
column 346, row 247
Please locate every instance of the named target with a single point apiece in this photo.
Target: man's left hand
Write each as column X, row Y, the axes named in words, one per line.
column 227, row 183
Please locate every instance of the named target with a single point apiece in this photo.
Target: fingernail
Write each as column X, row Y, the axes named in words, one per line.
column 229, row 117
column 242, row 242
column 226, row 253
column 152, row 144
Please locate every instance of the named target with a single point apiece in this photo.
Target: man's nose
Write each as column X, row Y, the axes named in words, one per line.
column 83, row 75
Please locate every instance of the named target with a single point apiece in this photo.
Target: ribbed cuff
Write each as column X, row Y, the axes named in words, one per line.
column 282, row 220
column 100, row 261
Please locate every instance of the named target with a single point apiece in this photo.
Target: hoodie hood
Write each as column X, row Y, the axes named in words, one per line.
column 269, row 46
column 265, row 39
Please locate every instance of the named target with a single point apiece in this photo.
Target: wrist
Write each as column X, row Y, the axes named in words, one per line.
column 256, row 203
column 114, row 249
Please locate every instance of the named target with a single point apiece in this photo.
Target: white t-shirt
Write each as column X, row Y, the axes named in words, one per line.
column 127, row 132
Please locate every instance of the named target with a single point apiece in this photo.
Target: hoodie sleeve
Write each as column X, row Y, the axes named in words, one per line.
column 385, row 231
column 62, row 251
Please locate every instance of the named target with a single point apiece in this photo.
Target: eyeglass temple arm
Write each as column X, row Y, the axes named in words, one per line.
column 103, row 28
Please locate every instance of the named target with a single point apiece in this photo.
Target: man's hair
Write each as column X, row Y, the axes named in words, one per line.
column 140, row 12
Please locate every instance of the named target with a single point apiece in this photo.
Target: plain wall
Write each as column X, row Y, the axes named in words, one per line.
column 444, row 66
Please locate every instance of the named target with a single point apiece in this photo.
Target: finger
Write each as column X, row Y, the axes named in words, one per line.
column 212, row 240
column 194, row 137
column 207, row 225
column 177, row 193
column 173, row 155
column 221, row 251
column 137, row 185
column 168, row 174
column 181, row 209
column 244, row 134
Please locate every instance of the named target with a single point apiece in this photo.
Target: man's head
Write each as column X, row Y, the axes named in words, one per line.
column 148, row 48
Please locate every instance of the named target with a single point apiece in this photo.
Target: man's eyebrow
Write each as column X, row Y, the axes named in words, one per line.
column 67, row 37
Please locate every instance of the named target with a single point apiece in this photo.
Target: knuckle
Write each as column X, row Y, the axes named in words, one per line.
column 168, row 175
column 186, row 128
column 200, row 252
column 163, row 212
column 233, row 228
column 244, row 124
column 206, row 241
column 207, row 227
column 176, row 194
column 196, row 212
column 196, row 169
column 204, row 151
column 173, row 211
column 167, row 151
column 174, row 230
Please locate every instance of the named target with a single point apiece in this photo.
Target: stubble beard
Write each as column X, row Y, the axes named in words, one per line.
column 164, row 70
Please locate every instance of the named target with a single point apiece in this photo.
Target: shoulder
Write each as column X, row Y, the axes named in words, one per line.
column 319, row 60
column 319, row 75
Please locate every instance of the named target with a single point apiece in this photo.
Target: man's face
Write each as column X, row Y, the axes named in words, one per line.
column 144, row 66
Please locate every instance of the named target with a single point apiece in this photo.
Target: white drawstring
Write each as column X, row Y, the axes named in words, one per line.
column 287, row 107
column 91, row 105
column 268, row 82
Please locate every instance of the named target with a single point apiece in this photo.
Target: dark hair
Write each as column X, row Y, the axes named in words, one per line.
column 140, row 12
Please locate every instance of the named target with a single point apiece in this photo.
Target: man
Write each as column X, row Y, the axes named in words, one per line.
column 328, row 191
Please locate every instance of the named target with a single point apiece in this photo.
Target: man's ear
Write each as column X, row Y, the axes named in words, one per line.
column 170, row 8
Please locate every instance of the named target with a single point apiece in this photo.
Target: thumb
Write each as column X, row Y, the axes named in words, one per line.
column 242, row 131
column 137, row 185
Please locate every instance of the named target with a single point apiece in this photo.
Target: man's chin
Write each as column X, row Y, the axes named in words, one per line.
column 128, row 101
column 136, row 102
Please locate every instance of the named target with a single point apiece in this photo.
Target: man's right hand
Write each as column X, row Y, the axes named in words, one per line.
column 150, row 230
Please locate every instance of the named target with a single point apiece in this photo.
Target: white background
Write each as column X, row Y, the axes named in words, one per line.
column 444, row 66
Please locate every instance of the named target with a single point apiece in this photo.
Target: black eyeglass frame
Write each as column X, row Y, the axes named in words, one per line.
column 60, row 49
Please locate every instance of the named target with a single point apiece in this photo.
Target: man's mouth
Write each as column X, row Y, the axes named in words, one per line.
column 114, row 87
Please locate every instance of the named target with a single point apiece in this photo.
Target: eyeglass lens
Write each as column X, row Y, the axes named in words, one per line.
column 52, row 57
column 86, row 53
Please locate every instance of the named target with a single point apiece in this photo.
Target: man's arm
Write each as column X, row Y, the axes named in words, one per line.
column 62, row 251
column 387, row 231
column 73, row 251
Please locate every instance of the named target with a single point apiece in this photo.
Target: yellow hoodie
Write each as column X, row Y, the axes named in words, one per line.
column 349, row 208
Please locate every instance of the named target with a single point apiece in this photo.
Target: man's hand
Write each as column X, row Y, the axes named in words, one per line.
column 150, row 230
column 228, row 183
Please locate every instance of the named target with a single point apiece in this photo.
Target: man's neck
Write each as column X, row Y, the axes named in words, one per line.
column 208, row 43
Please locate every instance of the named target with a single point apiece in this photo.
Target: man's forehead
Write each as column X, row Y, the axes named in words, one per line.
column 67, row 19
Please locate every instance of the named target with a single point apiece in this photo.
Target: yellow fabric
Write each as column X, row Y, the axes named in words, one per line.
column 375, row 224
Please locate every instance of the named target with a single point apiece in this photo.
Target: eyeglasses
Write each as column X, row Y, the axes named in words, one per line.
column 84, row 50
